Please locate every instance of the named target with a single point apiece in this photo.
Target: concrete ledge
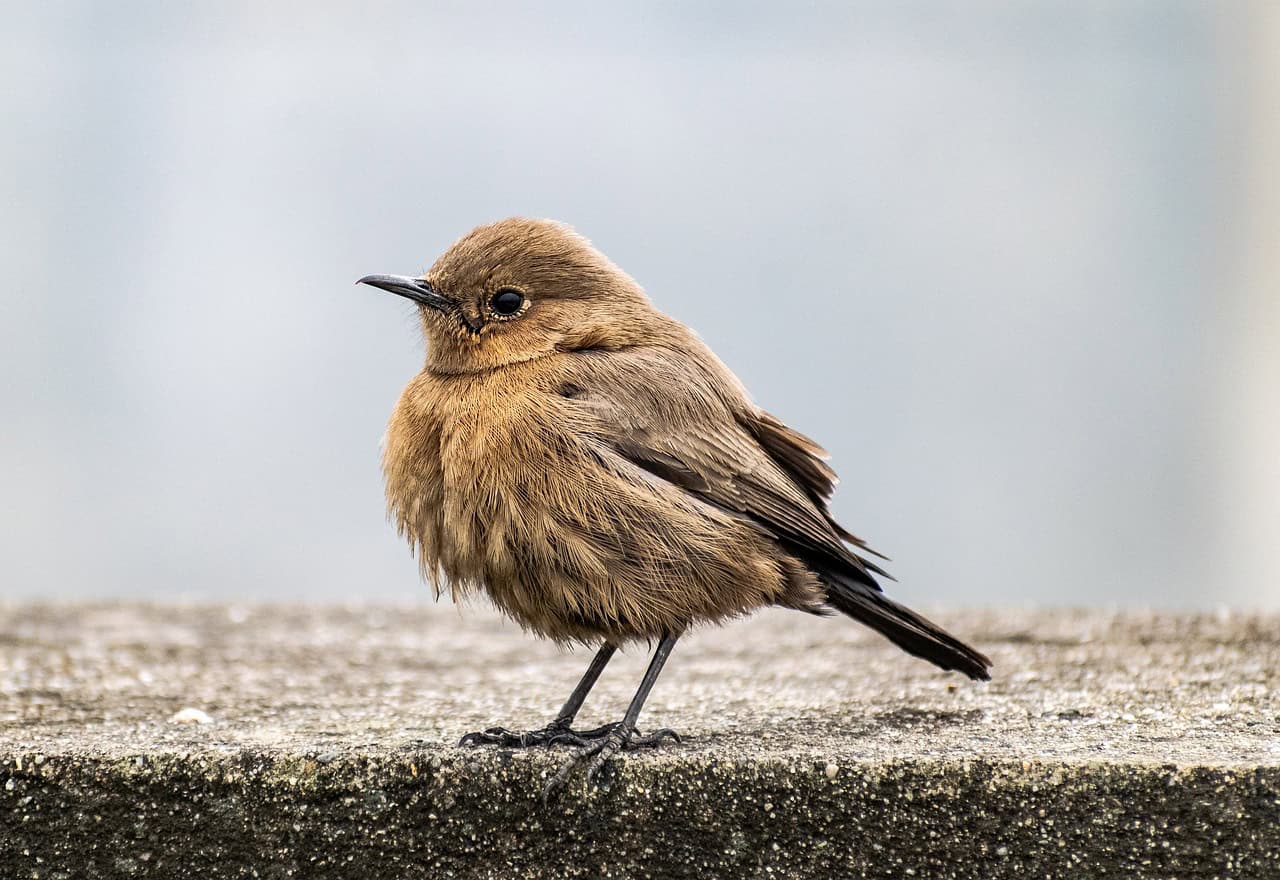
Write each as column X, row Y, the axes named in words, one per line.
column 1125, row 745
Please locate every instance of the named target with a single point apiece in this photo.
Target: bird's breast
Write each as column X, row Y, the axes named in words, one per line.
column 458, row 460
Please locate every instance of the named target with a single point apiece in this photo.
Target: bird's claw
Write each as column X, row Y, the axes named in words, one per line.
column 582, row 737
column 555, row 733
column 605, row 742
column 596, row 746
column 512, row 739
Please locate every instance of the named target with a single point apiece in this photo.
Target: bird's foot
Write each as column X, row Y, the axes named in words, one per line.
column 554, row 733
column 512, row 739
column 601, row 745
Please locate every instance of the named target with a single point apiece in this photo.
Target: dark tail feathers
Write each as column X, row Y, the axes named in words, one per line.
column 902, row 626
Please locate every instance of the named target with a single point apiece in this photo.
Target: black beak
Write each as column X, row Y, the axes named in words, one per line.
column 417, row 289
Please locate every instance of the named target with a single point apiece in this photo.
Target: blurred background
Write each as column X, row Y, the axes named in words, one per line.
column 1015, row 265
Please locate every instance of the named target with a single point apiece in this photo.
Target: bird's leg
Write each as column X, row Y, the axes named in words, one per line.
column 560, row 727
column 622, row 735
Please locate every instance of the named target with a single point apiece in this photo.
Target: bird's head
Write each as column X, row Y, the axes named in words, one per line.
column 518, row 289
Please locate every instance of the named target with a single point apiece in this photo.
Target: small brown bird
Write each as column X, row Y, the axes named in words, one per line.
column 593, row 467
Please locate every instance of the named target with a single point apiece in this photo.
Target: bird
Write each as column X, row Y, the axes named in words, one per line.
column 589, row 464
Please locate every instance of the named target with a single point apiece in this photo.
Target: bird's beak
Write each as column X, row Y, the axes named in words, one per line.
column 417, row 289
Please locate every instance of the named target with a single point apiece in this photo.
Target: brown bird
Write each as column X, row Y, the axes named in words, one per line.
column 593, row 467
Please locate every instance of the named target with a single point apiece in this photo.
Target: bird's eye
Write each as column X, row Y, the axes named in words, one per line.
column 507, row 301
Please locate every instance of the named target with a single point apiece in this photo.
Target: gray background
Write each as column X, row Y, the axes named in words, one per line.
column 1011, row 263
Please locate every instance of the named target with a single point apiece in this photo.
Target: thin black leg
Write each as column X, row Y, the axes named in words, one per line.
column 558, row 730
column 585, row 684
column 623, row 734
column 646, row 684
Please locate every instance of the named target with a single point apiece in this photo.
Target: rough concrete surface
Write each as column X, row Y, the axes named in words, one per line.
column 1109, row 745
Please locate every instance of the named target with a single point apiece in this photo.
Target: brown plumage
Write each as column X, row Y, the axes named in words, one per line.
column 593, row 467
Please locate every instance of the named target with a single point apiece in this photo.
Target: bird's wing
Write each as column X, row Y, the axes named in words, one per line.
column 676, row 418
column 805, row 462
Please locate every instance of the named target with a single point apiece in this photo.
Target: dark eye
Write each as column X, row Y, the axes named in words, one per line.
column 507, row 301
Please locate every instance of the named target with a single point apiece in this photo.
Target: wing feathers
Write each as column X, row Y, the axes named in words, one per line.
column 725, row 452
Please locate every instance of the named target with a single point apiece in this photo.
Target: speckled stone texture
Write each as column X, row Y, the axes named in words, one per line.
column 1110, row 744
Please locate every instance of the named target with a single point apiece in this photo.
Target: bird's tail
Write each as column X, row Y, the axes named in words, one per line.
column 902, row 626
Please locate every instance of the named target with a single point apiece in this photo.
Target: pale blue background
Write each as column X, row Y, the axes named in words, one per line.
column 986, row 253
